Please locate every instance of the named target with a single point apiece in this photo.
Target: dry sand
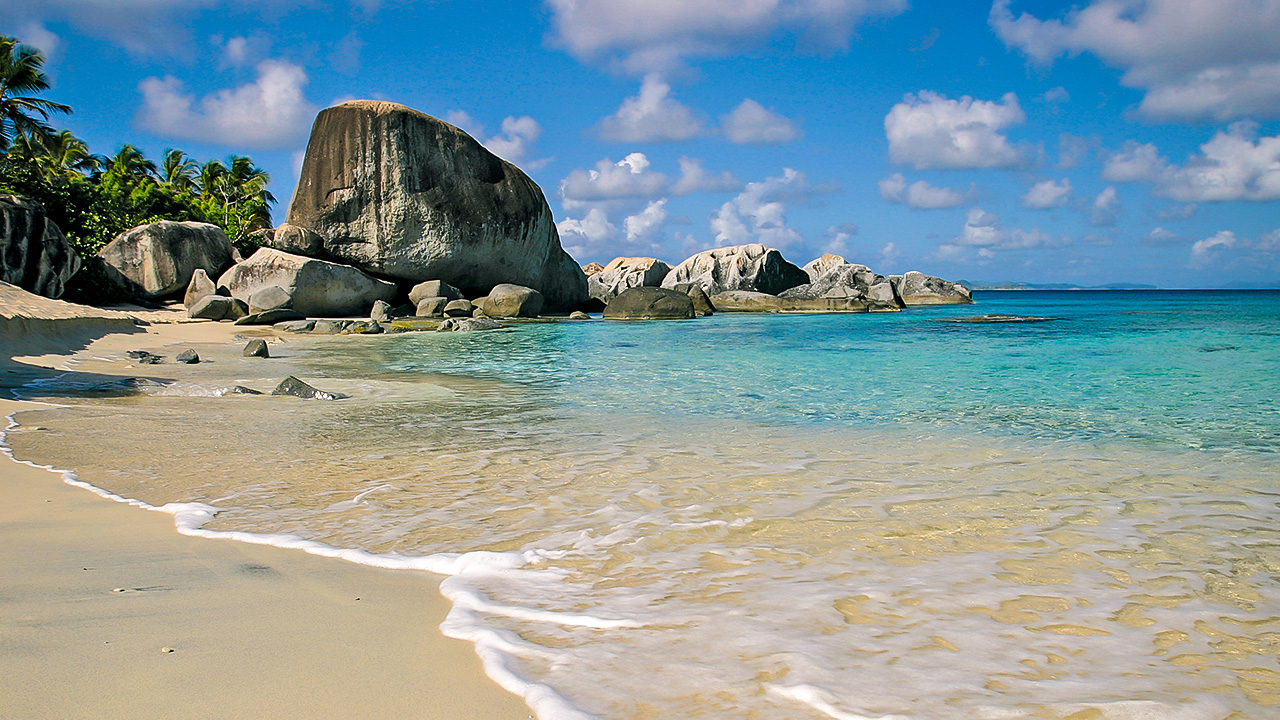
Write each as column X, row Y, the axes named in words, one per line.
column 92, row 592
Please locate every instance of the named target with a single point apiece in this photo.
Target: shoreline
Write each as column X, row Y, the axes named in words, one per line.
column 95, row 592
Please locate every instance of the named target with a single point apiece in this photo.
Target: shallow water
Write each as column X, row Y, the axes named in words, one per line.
column 769, row 517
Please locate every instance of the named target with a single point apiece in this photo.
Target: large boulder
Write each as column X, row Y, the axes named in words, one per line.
column 35, row 254
column 508, row 301
column 404, row 195
column 155, row 261
column 754, row 268
column 649, row 303
column 624, row 273
column 317, row 288
column 916, row 288
column 747, row 301
column 831, row 276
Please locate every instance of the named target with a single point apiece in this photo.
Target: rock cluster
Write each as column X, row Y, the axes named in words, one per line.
column 624, row 273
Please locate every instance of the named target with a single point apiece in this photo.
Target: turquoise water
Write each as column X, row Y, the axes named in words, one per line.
column 840, row 516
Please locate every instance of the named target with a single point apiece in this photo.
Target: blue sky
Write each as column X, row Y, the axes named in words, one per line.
column 1105, row 141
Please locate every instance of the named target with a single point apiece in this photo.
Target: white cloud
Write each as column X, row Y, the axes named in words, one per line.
column 986, row 232
column 981, row 228
column 515, row 144
column 1196, row 59
column 38, row 36
column 645, row 223
column 657, row 35
column 1160, row 236
column 591, row 232
column 270, row 112
column 651, row 116
column 1231, row 166
column 928, row 130
column 1135, row 162
column 758, row 213
column 1106, row 207
column 695, row 178
column 1205, row 251
column 753, row 124
column 837, row 238
column 919, row 194
column 627, row 178
column 1056, row 95
column 1047, row 194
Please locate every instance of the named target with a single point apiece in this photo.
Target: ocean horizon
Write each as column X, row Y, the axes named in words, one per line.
column 1050, row 504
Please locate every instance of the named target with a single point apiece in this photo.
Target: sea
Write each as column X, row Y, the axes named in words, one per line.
column 1044, row 505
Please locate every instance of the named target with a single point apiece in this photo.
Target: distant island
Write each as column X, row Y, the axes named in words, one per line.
column 981, row 285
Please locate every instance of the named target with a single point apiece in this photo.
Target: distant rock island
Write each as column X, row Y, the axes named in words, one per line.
column 1008, row 285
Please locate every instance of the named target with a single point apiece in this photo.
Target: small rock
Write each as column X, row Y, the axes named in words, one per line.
column 271, row 297
column 296, row 326
column 144, row 358
column 242, row 390
column 477, row 311
column 467, row 325
column 257, row 347
column 432, row 306
column 293, row 386
column 458, row 308
column 330, row 327
column 433, row 288
column 381, row 311
column 117, row 589
column 187, row 356
column 166, row 649
column 199, row 288
column 362, row 327
column 579, row 315
column 270, row 317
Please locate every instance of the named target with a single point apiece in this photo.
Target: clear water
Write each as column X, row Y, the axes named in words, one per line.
column 745, row 516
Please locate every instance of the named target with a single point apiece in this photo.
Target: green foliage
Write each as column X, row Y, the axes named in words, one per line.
column 21, row 77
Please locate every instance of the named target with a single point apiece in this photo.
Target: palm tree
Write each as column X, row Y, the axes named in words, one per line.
column 66, row 154
column 235, row 195
column 21, row 77
column 127, row 168
column 178, row 172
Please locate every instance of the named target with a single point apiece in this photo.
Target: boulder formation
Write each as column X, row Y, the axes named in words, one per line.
column 156, row 261
column 916, row 288
column 833, row 277
column 403, row 195
column 650, row 303
column 314, row 287
column 754, row 268
column 508, row 301
column 34, row 254
column 626, row 272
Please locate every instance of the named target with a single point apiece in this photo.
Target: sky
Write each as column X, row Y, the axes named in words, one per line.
column 1095, row 142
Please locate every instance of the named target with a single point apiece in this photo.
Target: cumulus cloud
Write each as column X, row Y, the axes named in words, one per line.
column 1160, row 236
column 919, row 195
column 1105, row 209
column 986, row 232
column 758, row 213
column 1205, row 251
column 1047, row 194
column 1226, row 249
column 645, row 223
column 1233, row 165
column 695, row 178
column 514, row 144
column 1056, row 95
column 753, row 124
column 837, row 238
column 584, row 235
column 270, row 112
column 658, row 35
column 928, row 130
column 651, row 116
column 1195, row 59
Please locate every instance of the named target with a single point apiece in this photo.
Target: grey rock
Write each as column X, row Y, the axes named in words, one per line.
column 459, row 308
column 242, row 390
column 318, row 288
column 434, row 288
column 404, row 195
column 156, row 261
column 754, row 268
column 834, row 278
column 213, row 307
column 701, row 302
column 295, row 326
column 270, row 317
column 34, row 254
column 188, row 357
column 916, row 288
column 508, row 301
column 477, row 311
column 144, row 357
column 296, row 240
column 293, row 386
column 363, row 327
column 256, row 347
column 579, row 315
column 381, row 311
column 431, row 307
column 271, row 297
column 330, row 327
column 650, row 303
column 467, row 325
column 746, row 301
column 199, row 288
column 626, row 272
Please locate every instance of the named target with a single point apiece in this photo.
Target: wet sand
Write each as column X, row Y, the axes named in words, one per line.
column 93, row 592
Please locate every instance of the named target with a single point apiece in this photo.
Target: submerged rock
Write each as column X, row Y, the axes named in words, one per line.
column 401, row 194
column 144, row 357
column 468, row 325
column 293, row 386
column 188, row 357
column 743, row 301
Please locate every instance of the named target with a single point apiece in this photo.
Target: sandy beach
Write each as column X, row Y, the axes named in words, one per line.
column 106, row 611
